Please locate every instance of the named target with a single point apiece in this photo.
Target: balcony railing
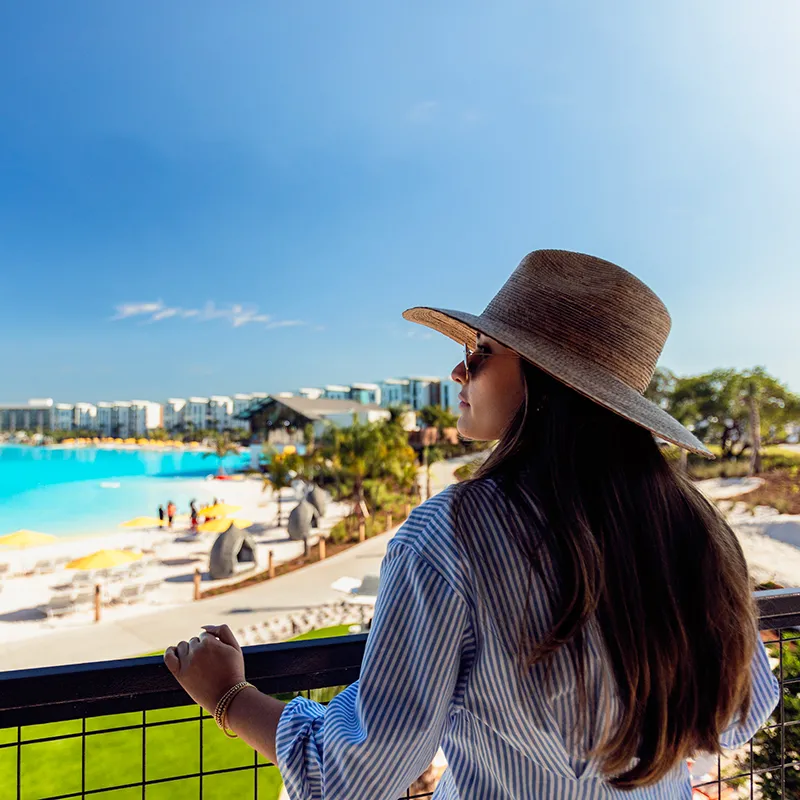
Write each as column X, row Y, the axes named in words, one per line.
column 124, row 729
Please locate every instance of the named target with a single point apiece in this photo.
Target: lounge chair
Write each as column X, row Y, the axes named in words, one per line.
column 59, row 606
column 82, row 579
column 5, row 569
column 44, row 566
column 151, row 586
column 131, row 593
column 84, row 600
column 62, row 561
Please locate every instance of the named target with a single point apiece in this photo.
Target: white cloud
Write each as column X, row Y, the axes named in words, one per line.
column 237, row 314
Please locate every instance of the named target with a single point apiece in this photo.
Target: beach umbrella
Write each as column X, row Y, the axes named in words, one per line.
column 23, row 538
column 222, row 524
column 142, row 522
column 218, row 510
column 104, row 559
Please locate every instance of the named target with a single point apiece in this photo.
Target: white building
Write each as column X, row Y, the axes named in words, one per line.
column 395, row 392
column 85, row 418
column 240, row 403
column 220, row 411
column 144, row 416
column 63, row 416
column 367, row 393
column 449, row 395
column 336, row 392
column 36, row 415
column 311, row 394
column 121, row 419
column 104, row 418
column 174, row 414
column 196, row 413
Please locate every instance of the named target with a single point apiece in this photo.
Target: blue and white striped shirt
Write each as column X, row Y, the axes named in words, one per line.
column 440, row 670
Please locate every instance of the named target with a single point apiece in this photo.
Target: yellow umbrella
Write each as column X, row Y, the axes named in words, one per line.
column 142, row 522
column 142, row 441
column 222, row 524
column 104, row 559
column 218, row 510
column 23, row 538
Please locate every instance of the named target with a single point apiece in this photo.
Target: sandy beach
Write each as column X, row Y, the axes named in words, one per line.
column 167, row 566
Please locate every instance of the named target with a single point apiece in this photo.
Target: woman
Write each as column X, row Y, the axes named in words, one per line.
column 575, row 622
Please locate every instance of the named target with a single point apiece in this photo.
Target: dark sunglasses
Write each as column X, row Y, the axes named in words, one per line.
column 474, row 358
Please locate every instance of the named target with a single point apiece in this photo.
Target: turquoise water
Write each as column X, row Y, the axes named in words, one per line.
column 67, row 491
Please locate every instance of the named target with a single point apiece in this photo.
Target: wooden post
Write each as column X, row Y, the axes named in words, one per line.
column 321, row 548
column 408, row 510
column 197, row 579
column 362, row 531
column 271, row 564
column 388, row 520
column 98, row 602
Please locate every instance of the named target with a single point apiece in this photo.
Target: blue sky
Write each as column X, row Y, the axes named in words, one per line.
column 203, row 198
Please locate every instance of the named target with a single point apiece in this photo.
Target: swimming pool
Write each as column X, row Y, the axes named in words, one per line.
column 69, row 491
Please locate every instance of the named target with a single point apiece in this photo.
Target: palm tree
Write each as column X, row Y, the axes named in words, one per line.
column 222, row 446
column 281, row 469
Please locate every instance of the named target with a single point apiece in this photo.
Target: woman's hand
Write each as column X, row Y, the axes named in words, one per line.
column 208, row 665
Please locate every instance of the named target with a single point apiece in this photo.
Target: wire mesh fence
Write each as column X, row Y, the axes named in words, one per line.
column 124, row 730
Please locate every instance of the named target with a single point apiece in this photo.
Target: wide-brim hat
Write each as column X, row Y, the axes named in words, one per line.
column 588, row 323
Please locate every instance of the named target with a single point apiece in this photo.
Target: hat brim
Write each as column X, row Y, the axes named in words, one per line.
column 579, row 374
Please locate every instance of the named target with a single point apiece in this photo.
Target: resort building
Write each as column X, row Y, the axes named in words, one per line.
column 104, row 418
column 395, row 392
column 311, row 394
column 220, row 411
column 241, row 402
column 335, row 392
column 35, row 415
column 196, row 413
column 366, row 393
column 85, row 417
column 144, row 416
column 174, row 414
column 121, row 419
column 280, row 420
column 63, row 417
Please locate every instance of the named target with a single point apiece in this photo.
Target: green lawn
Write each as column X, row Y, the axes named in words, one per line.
column 115, row 758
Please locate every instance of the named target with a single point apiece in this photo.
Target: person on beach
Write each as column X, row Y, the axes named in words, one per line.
column 161, row 514
column 574, row 622
column 193, row 515
column 171, row 509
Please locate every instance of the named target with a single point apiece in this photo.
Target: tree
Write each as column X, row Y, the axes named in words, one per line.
column 661, row 388
column 222, row 446
column 734, row 409
column 439, row 418
column 280, row 470
column 430, row 455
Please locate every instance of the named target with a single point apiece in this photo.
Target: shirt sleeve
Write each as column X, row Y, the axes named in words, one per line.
column 766, row 693
column 380, row 734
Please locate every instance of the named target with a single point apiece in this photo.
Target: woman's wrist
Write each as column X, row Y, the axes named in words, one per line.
column 237, row 704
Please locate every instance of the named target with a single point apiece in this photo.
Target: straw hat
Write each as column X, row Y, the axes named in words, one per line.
column 587, row 322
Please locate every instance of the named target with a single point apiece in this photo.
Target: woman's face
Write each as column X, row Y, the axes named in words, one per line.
column 492, row 393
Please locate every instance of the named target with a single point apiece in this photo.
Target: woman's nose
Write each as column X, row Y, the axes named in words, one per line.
column 459, row 373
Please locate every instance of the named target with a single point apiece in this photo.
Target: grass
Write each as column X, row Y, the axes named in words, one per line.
column 114, row 758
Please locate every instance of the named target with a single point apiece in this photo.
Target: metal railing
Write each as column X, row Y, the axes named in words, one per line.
column 81, row 731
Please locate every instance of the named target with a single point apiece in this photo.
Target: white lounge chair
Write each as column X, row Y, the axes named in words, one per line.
column 5, row 569
column 84, row 600
column 44, row 566
column 82, row 579
column 59, row 606
column 132, row 593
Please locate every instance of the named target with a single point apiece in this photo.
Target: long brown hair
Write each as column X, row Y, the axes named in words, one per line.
column 635, row 550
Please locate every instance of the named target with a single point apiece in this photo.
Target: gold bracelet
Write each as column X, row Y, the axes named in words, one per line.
column 221, row 711
column 220, row 707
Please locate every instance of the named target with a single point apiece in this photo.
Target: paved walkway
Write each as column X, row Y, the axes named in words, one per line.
column 147, row 633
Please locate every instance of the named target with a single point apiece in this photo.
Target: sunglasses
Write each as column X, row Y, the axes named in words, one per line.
column 474, row 358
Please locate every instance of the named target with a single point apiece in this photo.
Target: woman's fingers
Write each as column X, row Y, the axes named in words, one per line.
column 171, row 660
column 223, row 633
column 183, row 650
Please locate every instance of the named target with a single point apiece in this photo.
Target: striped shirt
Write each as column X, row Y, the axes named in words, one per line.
column 440, row 670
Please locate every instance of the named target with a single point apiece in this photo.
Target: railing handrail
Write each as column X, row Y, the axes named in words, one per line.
column 72, row 691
